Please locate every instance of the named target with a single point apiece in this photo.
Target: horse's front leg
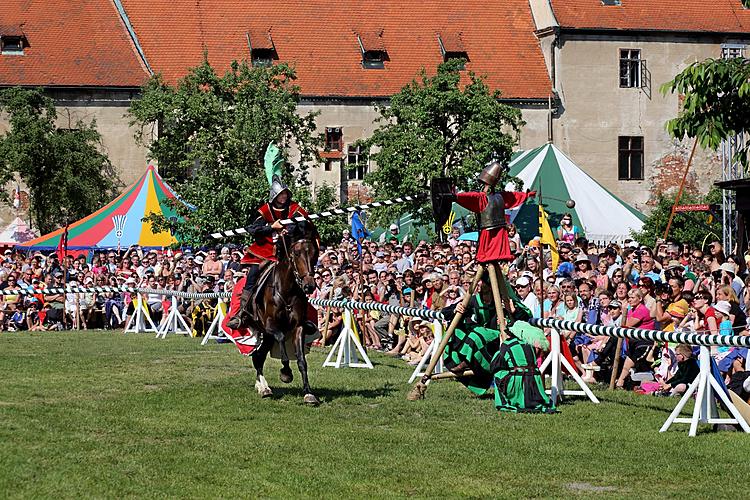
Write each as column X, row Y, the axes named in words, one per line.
column 285, row 374
column 259, row 359
column 299, row 347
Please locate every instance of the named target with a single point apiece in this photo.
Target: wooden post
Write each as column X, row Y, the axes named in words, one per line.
column 420, row 388
column 616, row 360
column 326, row 326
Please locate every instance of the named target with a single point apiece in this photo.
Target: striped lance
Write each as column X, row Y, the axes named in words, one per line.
column 242, row 231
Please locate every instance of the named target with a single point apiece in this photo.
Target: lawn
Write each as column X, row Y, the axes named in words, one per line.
column 97, row 414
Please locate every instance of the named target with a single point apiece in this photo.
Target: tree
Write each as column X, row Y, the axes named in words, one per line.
column 716, row 104
column 449, row 124
column 687, row 227
column 329, row 228
column 213, row 134
column 64, row 170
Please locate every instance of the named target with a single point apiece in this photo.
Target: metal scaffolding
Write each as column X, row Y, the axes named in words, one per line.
column 731, row 170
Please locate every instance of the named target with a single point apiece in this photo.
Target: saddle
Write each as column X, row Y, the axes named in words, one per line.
column 266, row 271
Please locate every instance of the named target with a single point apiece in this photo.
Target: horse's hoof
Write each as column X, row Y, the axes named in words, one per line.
column 286, row 375
column 266, row 393
column 311, row 400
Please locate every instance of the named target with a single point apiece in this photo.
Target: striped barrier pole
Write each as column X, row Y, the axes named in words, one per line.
column 242, row 231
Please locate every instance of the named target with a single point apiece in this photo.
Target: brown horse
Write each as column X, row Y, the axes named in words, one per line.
column 281, row 309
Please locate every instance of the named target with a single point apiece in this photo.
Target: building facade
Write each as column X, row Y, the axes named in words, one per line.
column 586, row 74
column 608, row 61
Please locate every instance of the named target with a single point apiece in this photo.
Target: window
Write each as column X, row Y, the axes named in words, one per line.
column 373, row 50
column 611, row 3
column 630, row 68
column 262, row 49
column 357, row 163
column 11, row 44
column 329, row 165
column 731, row 51
column 334, row 139
column 630, row 158
column 452, row 46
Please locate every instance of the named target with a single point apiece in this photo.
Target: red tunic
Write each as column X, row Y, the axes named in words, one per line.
column 493, row 243
column 242, row 338
column 263, row 246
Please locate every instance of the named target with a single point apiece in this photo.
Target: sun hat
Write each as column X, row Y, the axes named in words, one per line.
column 728, row 267
column 723, row 306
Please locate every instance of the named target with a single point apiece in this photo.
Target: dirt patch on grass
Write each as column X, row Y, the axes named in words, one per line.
column 589, row 487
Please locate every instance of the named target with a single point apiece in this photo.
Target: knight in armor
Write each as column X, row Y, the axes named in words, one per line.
column 491, row 206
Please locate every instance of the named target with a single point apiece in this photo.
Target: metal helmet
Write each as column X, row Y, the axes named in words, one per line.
column 277, row 187
column 492, row 173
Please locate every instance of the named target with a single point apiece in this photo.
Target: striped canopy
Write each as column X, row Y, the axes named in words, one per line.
column 119, row 223
column 598, row 213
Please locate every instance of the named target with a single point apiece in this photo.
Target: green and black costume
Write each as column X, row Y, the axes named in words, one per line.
column 476, row 345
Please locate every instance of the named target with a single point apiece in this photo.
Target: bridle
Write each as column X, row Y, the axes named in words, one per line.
column 298, row 277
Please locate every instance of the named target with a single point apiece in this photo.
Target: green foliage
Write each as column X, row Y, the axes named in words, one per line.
column 329, row 228
column 449, row 124
column 687, row 227
column 213, row 134
column 716, row 103
column 66, row 174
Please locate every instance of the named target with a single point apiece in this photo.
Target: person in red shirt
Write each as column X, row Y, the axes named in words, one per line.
column 493, row 245
column 264, row 228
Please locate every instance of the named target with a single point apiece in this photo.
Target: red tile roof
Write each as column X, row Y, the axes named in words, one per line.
column 319, row 38
column 725, row 16
column 70, row 43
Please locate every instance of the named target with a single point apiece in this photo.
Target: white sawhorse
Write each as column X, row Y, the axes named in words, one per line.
column 347, row 349
column 174, row 323
column 140, row 321
column 220, row 314
column 437, row 328
column 706, row 387
column 558, row 361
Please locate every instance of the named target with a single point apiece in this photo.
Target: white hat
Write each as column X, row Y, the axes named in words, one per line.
column 523, row 281
column 582, row 258
column 199, row 260
column 723, row 307
column 130, row 281
column 393, row 226
column 88, row 280
column 728, row 267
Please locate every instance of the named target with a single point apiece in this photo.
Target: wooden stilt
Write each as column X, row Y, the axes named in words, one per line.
column 420, row 388
column 498, row 299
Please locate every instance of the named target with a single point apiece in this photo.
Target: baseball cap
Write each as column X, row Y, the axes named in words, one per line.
column 523, row 281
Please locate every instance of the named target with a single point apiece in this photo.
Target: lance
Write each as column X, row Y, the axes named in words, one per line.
column 240, row 231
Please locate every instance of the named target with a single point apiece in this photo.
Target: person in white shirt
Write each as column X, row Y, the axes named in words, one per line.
column 523, row 288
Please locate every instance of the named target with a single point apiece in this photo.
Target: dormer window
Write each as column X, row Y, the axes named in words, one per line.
column 262, row 49
column 611, row 3
column 12, row 40
column 452, row 46
column 373, row 49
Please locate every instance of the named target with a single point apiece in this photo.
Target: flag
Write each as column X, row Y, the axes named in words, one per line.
column 359, row 232
column 547, row 237
column 62, row 246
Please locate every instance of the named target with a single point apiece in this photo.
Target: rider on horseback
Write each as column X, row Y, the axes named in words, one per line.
column 280, row 206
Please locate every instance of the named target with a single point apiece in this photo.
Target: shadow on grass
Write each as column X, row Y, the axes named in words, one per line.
column 328, row 394
column 641, row 402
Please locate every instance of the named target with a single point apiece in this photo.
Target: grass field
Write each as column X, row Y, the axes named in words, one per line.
column 97, row 414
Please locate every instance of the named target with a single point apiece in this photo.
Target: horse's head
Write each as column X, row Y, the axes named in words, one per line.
column 302, row 243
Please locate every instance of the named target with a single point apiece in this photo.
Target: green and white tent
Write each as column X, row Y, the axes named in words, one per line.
column 598, row 213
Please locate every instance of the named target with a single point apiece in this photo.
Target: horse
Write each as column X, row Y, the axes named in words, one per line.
column 281, row 307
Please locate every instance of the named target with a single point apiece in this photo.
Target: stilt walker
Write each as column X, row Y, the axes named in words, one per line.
column 493, row 248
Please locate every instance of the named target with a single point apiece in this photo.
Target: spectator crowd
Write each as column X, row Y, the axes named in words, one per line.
column 674, row 286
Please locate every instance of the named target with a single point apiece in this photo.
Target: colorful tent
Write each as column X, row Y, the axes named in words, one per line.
column 18, row 231
column 600, row 214
column 119, row 223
